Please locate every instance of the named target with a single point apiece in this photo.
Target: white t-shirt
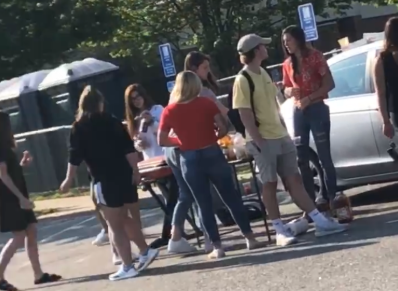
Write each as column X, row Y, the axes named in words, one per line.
column 153, row 149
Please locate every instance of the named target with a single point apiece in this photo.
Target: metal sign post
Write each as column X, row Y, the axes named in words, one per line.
column 308, row 21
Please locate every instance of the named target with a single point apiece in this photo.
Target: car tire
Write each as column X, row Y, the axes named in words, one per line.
column 319, row 181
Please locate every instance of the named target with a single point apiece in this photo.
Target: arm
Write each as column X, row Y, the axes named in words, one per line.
column 380, row 86
column 287, row 84
column 327, row 78
column 126, row 144
column 221, row 125
column 9, row 182
column 75, row 155
column 241, row 101
column 164, row 138
column 206, row 92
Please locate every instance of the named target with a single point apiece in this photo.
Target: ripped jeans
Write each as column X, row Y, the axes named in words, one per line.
column 315, row 119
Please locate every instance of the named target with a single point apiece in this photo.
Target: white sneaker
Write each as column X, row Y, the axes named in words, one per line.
column 145, row 261
column 101, row 239
column 208, row 245
column 124, row 273
column 180, row 247
column 252, row 244
column 329, row 227
column 285, row 239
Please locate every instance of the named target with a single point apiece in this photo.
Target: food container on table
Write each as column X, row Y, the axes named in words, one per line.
column 239, row 147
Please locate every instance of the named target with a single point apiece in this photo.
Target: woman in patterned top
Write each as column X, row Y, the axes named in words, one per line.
column 307, row 79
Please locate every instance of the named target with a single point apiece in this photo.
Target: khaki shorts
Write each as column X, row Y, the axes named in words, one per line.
column 275, row 157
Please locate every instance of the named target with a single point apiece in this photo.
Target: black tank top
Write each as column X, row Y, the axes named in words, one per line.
column 391, row 79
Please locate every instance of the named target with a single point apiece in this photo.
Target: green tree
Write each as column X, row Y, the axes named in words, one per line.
column 37, row 33
column 214, row 26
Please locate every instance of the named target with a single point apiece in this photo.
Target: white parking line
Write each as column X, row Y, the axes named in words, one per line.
column 65, row 230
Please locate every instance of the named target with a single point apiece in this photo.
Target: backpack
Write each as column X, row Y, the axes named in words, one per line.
column 233, row 114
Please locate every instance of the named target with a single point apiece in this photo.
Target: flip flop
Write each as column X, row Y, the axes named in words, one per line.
column 48, row 278
column 5, row 286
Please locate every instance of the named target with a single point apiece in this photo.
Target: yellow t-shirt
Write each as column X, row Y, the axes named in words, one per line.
column 265, row 104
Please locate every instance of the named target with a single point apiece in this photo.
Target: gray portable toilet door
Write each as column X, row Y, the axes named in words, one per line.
column 29, row 108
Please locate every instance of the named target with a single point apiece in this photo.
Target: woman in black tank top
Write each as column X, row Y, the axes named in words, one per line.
column 385, row 76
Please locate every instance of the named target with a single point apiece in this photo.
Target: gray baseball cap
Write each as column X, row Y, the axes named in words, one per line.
column 250, row 41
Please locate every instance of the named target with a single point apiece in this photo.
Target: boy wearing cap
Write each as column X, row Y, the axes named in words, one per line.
column 269, row 142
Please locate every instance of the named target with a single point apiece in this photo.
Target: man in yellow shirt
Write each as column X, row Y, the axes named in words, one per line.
column 269, row 142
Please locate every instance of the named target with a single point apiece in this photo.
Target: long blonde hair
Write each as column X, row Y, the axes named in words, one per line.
column 187, row 87
column 89, row 102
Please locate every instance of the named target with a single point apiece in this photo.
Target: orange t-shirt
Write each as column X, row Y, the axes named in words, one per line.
column 313, row 68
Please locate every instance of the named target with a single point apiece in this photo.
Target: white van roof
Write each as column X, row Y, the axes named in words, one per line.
column 67, row 73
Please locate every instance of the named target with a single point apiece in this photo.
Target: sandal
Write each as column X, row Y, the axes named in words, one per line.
column 48, row 278
column 5, row 286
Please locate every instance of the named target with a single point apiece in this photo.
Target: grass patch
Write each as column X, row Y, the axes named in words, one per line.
column 77, row 192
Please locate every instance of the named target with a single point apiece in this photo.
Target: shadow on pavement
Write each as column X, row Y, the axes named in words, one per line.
column 67, row 231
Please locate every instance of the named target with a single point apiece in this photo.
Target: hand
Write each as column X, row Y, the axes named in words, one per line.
column 65, row 186
column 146, row 116
column 388, row 130
column 279, row 85
column 26, row 159
column 292, row 92
column 141, row 144
column 303, row 103
column 25, row 203
column 258, row 143
column 136, row 177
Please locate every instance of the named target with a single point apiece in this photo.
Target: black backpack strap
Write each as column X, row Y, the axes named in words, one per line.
column 251, row 88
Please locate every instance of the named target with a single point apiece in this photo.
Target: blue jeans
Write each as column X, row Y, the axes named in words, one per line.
column 315, row 119
column 185, row 198
column 202, row 167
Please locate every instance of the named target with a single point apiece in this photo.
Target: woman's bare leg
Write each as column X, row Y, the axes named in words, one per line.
column 133, row 227
column 9, row 250
column 116, row 218
column 33, row 250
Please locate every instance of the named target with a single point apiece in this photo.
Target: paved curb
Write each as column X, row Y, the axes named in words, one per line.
column 145, row 203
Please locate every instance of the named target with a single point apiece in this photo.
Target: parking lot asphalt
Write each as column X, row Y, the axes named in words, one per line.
column 365, row 258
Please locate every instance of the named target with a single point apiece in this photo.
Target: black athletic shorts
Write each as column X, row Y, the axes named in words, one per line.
column 115, row 192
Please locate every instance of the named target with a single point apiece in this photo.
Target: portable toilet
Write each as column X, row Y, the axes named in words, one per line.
column 61, row 89
column 19, row 99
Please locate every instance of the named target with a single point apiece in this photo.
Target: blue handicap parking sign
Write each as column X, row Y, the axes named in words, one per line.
column 308, row 21
column 166, row 55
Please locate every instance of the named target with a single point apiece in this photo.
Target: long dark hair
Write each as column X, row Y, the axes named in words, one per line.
column 299, row 35
column 6, row 136
column 192, row 62
column 391, row 35
column 131, row 110
column 89, row 102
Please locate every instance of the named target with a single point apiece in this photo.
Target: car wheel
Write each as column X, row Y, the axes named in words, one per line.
column 319, row 181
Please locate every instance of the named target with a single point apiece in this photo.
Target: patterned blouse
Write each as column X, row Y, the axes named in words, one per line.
column 313, row 68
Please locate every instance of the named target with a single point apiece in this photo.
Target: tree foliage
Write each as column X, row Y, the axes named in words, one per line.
column 37, row 33
column 51, row 31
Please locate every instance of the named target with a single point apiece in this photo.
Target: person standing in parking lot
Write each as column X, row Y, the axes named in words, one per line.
column 385, row 78
column 269, row 142
column 307, row 79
